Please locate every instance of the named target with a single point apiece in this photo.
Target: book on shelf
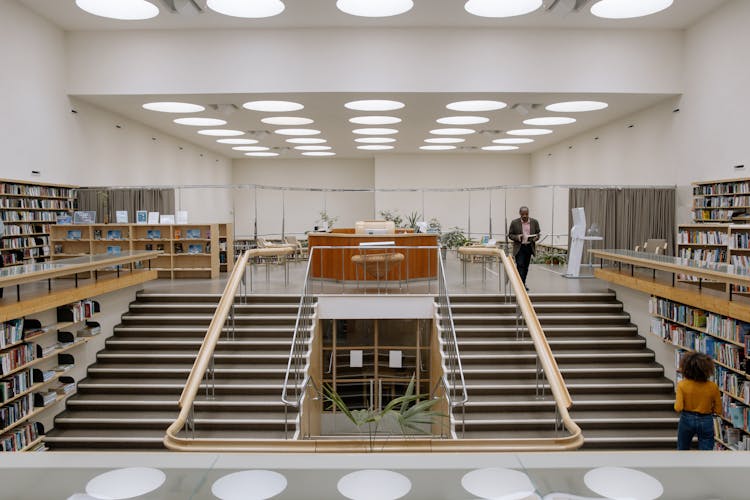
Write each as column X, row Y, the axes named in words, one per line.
column 97, row 234
column 84, row 217
column 12, row 332
column 153, row 217
column 15, row 384
column 114, row 234
column 153, row 234
column 121, row 216
column 21, row 436
column 141, row 217
column 178, row 248
column 73, row 234
column 166, row 219
column 149, row 246
column 114, row 250
column 62, row 368
column 195, row 249
column 177, row 234
column 42, row 399
column 58, row 248
column 193, row 234
column 64, row 219
column 160, row 247
column 89, row 330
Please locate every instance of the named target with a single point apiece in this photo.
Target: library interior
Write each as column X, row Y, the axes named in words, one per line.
column 374, row 249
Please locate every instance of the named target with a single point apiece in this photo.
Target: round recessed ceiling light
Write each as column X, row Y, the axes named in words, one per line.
column 306, row 140
column 174, row 107
column 496, row 482
column 549, row 120
column 297, row 131
column 626, row 9
column 374, row 8
column 237, row 141
column 375, row 140
column 124, row 10
column 319, row 153
column 374, row 484
column 242, row 8
column 221, row 132
column 513, row 140
column 621, row 482
column 530, row 131
column 472, row 106
column 375, row 120
column 499, row 148
column 273, row 106
column 200, row 122
column 462, row 120
column 374, row 105
column 505, row 8
column 445, row 140
column 251, row 148
column 313, row 148
column 262, row 154
column 375, row 131
column 437, row 147
column 287, row 120
column 375, row 147
column 125, row 483
column 452, row 131
column 576, row 106
column 249, row 485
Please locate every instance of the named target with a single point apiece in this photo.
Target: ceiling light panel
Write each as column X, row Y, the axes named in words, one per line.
column 576, row 106
column 200, row 122
column 514, row 140
column 530, row 131
column 452, row 131
column 549, row 120
column 437, row 147
column 122, row 10
column 255, row 9
column 312, row 148
column 474, row 106
column 375, row 147
column 374, row 8
column 297, row 131
column 273, row 106
column 374, row 140
column 306, row 140
column 375, row 131
column 502, row 8
column 499, row 148
column 319, row 153
column 628, row 9
column 462, row 120
column 287, row 120
column 221, row 132
column 375, row 120
column 262, row 154
column 445, row 140
column 237, row 141
column 374, row 105
column 174, row 107
column 251, row 148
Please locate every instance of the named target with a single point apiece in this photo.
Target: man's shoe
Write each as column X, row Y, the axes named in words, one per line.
column 527, row 288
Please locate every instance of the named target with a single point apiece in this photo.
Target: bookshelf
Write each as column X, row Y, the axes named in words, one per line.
column 721, row 200
column 190, row 250
column 726, row 340
column 28, row 210
column 34, row 361
column 714, row 242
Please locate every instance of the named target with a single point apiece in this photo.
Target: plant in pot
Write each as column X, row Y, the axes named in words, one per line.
column 452, row 239
column 412, row 219
column 327, row 220
column 394, row 216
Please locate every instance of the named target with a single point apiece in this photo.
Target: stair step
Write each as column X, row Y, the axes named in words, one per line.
column 472, row 372
column 221, row 371
column 189, row 356
column 581, row 355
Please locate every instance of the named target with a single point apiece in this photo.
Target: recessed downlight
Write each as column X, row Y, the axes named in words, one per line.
column 313, row 148
column 273, row 106
column 549, row 120
column 530, row 131
column 200, row 122
column 287, row 120
column 628, row 9
column 375, row 120
column 256, row 9
column 237, row 141
column 437, row 147
column 297, row 131
column 499, row 148
column 444, row 140
column 576, row 106
column 378, row 8
column 375, row 147
column 251, row 148
column 474, row 106
column 319, row 153
column 262, row 154
column 174, row 107
column 217, row 132
column 375, row 131
column 375, row 140
column 452, row 131
column 462, row 120
column 513, row 140
column 374, row 105
column 306, row 140
column 504, row 8
column 123, row 10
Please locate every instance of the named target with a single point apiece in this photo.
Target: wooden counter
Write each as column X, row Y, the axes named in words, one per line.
column 336, row 264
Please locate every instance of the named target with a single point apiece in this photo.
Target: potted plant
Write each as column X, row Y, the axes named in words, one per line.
column 327, row 220
column 394, row 216
column 452, row 239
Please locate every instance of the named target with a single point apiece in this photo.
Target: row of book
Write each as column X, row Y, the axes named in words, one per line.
column 16, row 243
column 703, row 254
column 738, row 187
column 24, row 189
column 703, row 237
column 77, row 311
column 727, row 328
column 681, row 313
column 18, row 216
column 20, row 437
column 736, row 413
column 728, row 354
column 739, row 260
column 740, row 240
column 722, row 202
column 15, row 384
column 733, row 383
column 16, row 229
column 15, row 411
column 733, row 438
column 35, row 203
column 16, row 356
column 715, row 214
column 11, row 332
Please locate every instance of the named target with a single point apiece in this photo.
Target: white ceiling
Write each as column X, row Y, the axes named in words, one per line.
column 323, row 13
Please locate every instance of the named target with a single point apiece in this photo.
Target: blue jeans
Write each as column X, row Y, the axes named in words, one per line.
column 692, row 424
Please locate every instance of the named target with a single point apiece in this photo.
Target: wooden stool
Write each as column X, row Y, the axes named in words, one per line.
column 471, row 252
column 376, row 261
column 281, row 253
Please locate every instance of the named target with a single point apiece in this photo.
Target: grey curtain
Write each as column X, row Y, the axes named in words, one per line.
column 107, row 201
column 628, row 216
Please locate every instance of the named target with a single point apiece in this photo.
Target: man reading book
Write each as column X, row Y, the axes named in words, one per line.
column 523, row 232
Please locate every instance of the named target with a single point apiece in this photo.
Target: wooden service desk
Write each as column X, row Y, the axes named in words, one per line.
column 336, row 264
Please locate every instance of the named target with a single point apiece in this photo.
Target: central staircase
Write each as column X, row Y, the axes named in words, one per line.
column 130, row 395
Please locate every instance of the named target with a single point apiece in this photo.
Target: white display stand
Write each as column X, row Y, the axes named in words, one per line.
column 578, row 239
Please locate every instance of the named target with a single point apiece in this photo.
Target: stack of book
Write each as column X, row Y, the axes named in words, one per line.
column 42, row 399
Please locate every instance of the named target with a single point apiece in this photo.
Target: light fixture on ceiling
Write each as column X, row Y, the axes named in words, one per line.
column 628, row 9
column 462, row 120
column 374, row 8
column 445, row 140
column 530, row 131
column 621, row 482
column 375, row 120
column 576, row 106
column 374, row 140
column 297, row 131
column 452, row 131
column 174, row 107
column 237, row 141
column 319, row 153
column 200, row 122
column 306, row 140
column 374, row 105
column 251, row 148
column 125, row 483
column 437, row 147
column 255, row 9
column 123, row 10
column 221, row 132
column 501, row 8
column 513, row 140
column 261, row 154
column 476, row 105
column 249, row 484
column 497, row 482
column 374, row 484
column 287, row 120
column 499, row 148
column 313, row 148
column 375, row 147
column 375, row 131
column 549, row 120
column 273, row 106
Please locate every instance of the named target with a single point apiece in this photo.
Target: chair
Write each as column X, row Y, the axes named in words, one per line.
column 477, row 253
column 377, row 265
column 300, row 252
column 653, row 245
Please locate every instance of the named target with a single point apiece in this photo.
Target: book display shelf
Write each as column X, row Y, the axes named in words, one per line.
column 34, row 360
column 726, row 340
column 190, row 250
column 721, row 200
column 715, row 242
column 28, row 210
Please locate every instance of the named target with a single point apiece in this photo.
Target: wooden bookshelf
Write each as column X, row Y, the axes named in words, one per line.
column 28, row 210
column 722, row 200
column 190, row 250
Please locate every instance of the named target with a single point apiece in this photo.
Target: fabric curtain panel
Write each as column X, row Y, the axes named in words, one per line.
column 627, row 217
column 108, row 201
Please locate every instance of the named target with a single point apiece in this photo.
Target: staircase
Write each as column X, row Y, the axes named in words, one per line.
column 130, row 395
column 621, row 399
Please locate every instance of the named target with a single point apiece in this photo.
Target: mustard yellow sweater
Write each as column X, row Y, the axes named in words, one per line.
column 698, row 397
